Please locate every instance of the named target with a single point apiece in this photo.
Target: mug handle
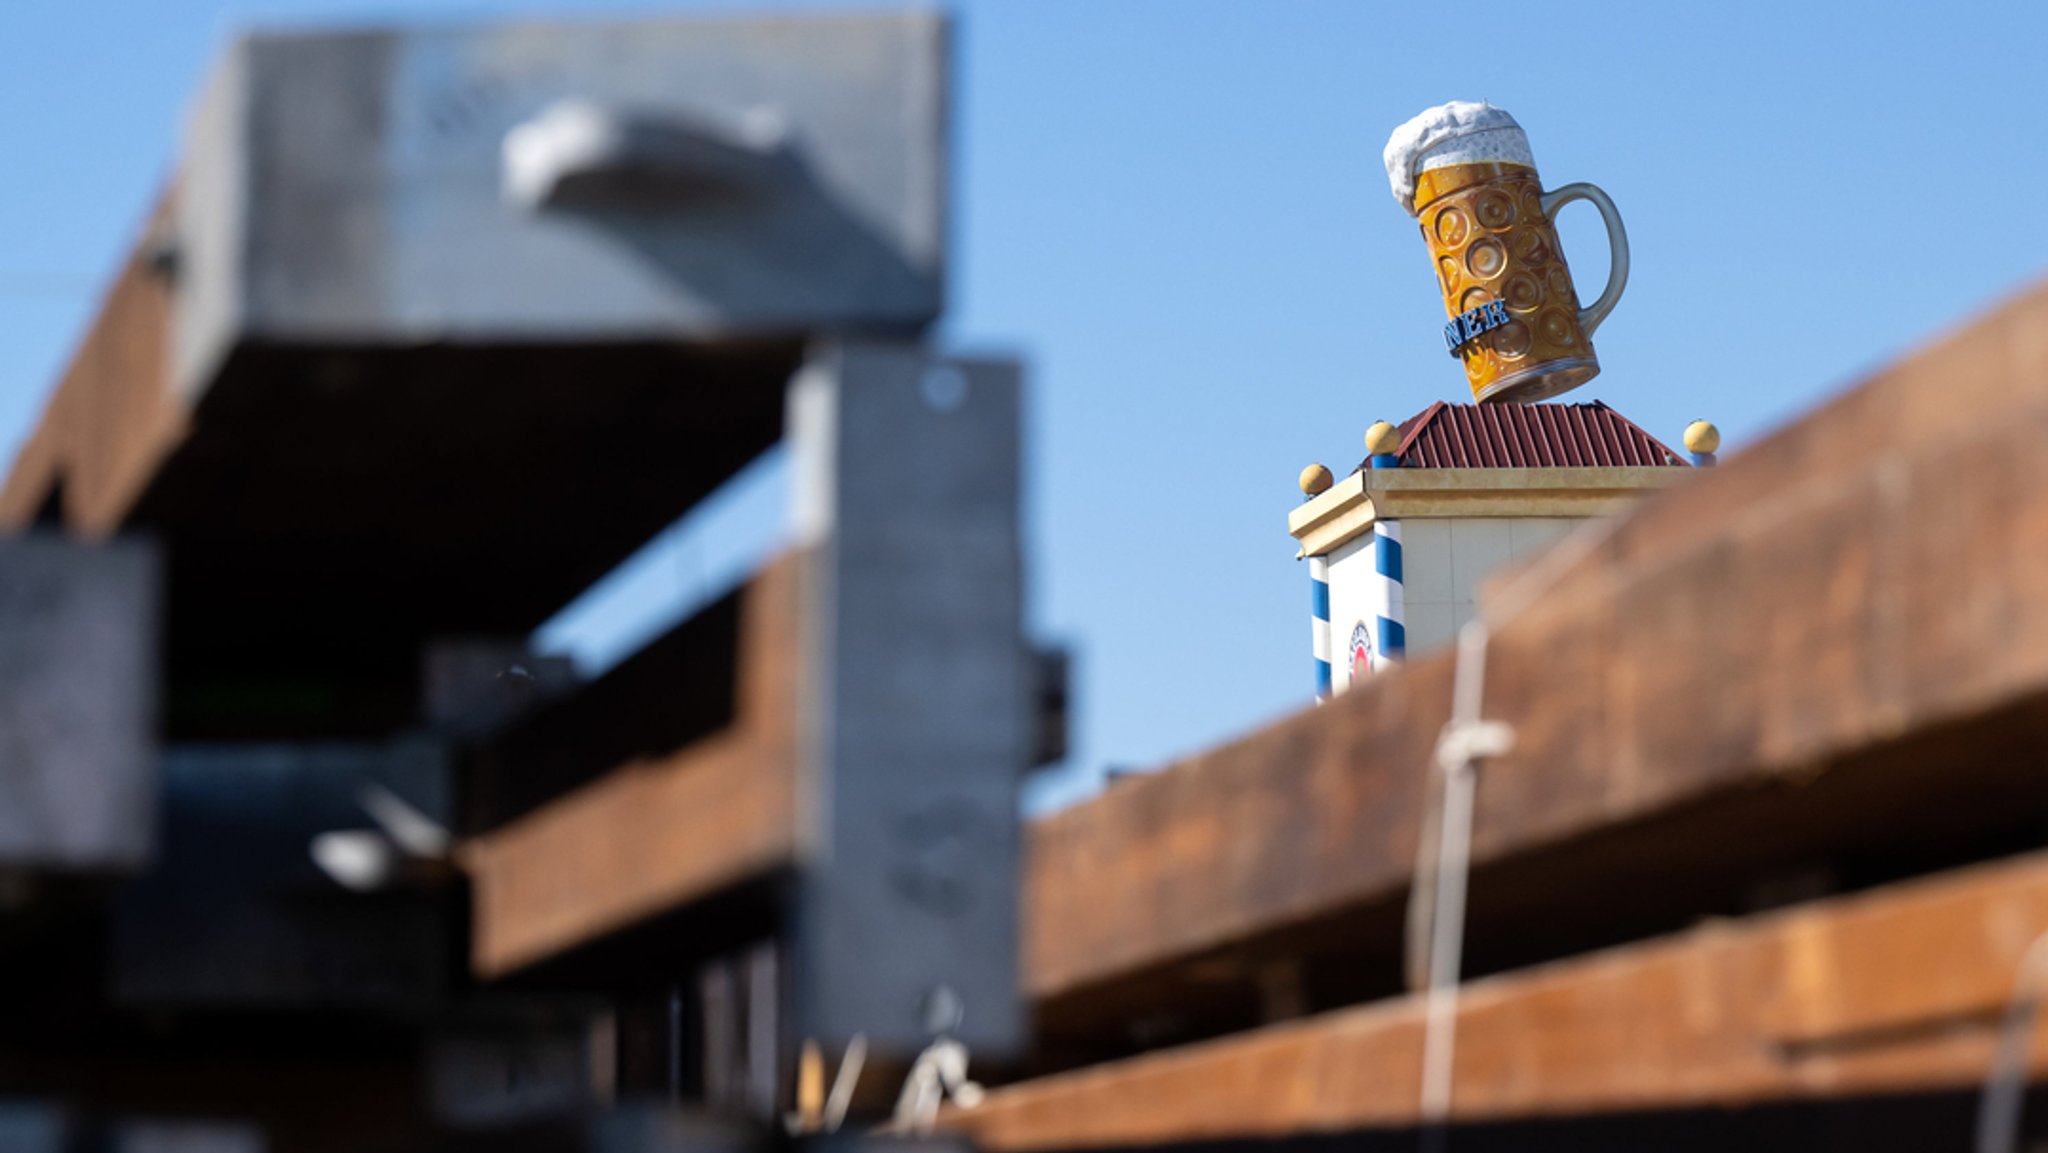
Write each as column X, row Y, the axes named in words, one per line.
column 1617, row 248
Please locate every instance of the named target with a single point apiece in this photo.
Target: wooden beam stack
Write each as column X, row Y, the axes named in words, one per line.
column 1820, row 668
column 1891, row 991
column 1773, row 834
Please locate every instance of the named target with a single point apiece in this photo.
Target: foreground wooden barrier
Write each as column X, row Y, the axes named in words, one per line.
column 1892, row 990
column 1834, row 644
column 1826, row 647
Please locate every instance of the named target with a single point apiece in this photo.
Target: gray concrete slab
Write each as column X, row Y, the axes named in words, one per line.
column 78, row 687
column 585, row 180
column 918, row 697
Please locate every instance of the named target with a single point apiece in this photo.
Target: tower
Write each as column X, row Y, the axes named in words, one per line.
column 1397, row 549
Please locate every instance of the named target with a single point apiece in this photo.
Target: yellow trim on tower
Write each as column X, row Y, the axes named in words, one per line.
column 1349, row 507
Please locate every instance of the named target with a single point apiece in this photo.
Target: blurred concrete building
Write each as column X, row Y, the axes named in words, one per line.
column 431, row 330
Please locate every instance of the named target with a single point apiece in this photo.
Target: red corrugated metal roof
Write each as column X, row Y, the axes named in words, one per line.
column 1528, row 436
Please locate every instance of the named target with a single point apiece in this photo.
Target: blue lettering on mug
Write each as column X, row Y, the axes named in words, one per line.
column 1473, row 322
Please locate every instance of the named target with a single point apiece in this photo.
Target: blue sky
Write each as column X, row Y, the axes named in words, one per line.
column 1175, row 211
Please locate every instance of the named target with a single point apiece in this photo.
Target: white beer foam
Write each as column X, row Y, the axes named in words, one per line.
column 1460, row 132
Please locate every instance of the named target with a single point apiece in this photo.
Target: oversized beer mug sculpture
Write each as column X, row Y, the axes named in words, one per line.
column 1464, row 171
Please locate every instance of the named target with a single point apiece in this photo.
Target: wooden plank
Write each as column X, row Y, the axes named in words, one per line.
column 639, row 709
column 1836, row 625
column 112, row 418
column 655, row 834
column 1891, row 990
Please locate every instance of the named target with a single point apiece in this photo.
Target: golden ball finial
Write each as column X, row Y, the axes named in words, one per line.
column 1382, row 439
column 1701, row 436
column 1316, row 479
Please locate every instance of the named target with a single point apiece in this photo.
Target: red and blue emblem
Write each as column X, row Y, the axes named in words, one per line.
column 1361, row 651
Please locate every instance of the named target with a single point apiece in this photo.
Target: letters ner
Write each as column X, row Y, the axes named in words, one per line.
column 1472, row 322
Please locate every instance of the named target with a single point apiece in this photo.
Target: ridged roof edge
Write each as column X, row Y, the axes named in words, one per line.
column 1592, row 435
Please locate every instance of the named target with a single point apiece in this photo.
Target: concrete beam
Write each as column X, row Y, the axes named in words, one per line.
column 78, row 704
column 884, row 718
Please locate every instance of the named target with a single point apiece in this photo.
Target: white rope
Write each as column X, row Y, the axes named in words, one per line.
column 842, row 1085
column 2005, row 1090
column 1440, row 1032
column 1465, row 740
column 939, row 1072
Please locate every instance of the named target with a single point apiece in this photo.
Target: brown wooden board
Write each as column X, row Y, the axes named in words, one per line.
column 676, row 689
column 1894, row 990
column 656, row 832
column 1828, row 655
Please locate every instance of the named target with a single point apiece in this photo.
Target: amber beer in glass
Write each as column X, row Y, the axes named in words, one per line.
column 1515, row 320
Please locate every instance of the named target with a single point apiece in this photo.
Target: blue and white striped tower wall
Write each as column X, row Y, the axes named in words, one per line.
column 1319, row 621
column 1390, row 617
column 1368, row 617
